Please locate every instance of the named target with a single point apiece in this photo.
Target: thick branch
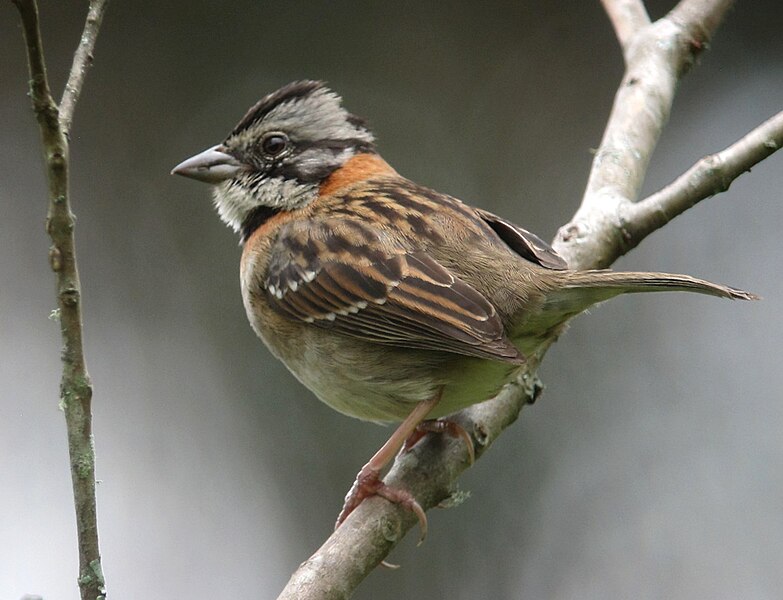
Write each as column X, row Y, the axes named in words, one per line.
column 75, row 385
column 82, row 61
column 656, row 60
column 711, row 175
column 628, row 17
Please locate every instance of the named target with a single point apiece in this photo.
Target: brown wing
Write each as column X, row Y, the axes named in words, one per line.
column 524, row 243
column 341, row 275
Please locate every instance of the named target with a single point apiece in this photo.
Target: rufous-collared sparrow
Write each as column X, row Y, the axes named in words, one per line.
column 389, row 300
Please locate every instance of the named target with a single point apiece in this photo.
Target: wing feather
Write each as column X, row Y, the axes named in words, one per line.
column 352, row 280
column 528, row 245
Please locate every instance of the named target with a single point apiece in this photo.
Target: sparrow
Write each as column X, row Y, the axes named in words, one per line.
column 390, row 301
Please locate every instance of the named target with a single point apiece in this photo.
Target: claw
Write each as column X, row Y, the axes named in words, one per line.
column 368, row 483
column 406, row 500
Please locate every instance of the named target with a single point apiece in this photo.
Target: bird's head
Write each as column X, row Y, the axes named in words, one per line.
column 279, row 153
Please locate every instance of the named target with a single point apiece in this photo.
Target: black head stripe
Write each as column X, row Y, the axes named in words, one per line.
column 297, row 89
column 316, row 173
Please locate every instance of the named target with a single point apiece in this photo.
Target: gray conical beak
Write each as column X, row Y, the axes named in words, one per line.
column 211, row 166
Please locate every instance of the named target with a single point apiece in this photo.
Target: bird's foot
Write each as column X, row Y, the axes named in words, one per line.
column 368, row 483
column 441, row 426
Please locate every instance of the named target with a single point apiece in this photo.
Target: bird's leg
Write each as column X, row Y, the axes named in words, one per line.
column 368, row 481
column 441, row 426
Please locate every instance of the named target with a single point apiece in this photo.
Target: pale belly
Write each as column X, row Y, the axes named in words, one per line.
column 378, row 383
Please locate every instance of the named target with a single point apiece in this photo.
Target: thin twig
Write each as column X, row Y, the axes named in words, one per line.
column 75, row 384
column 628, row 17
column 82, row 61
column 711, row 175
column 43, row 104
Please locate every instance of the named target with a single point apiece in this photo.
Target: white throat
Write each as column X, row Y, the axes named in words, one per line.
column 234, row 201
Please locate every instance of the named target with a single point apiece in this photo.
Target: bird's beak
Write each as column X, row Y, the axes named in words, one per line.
column 211, row 166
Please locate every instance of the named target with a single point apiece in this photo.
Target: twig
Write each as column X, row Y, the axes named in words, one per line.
column 711, row 175
column 82, row 61
column 43, row 104
column 659, row 55
column 75, row 385
column 700, row 18
column 628, row 17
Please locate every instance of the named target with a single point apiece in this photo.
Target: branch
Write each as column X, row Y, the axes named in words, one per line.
column 711, row 175
column 82, row 61
column 43, row 104
column 656, row 60
column 658, row 55
column 628, row 17
column 75, row 384
column 430, row 472
column 700, row 18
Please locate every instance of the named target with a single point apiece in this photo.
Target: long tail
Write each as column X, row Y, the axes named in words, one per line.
column 607, row 284
column 576, row 291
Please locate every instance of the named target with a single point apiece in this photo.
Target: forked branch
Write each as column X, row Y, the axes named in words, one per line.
column 75, row 385
column 711, row 175
column 656, row 59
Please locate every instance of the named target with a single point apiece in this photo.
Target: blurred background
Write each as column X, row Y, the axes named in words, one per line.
column 650, row 468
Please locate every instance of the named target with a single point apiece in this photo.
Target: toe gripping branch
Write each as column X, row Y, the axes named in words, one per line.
column 368, row 481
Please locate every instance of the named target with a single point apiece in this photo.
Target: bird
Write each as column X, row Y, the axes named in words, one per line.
column 390, row 301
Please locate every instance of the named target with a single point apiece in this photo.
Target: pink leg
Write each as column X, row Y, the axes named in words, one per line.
column 368, row 482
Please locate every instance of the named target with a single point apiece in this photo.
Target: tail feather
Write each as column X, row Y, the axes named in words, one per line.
column 576, row 291
column 611, row 283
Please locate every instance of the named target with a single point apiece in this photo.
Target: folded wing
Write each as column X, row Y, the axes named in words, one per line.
column 342, row 275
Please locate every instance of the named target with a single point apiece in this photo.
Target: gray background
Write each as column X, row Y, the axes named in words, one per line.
column 651, row 467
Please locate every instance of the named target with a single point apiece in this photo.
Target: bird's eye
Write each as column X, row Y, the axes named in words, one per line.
column 274, row 143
